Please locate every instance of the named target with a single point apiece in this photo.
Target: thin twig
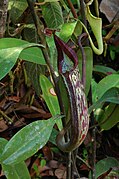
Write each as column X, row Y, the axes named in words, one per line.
column 6, row 117
column 84, row 162
column 93, row 157
column 42, row 39
column 72, row 9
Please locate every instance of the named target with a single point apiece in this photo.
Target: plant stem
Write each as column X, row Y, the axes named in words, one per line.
column 42, row 38
column 83, row 59
column 72, row 9
column 6, row 117
column 83, row 12
column 93, row 157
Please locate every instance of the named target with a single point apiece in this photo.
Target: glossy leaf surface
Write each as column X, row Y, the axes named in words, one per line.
column 32, row 54
column 50, row 98
column 65, row 34
column 107, row 83
column 27, row 141
column 111, row 95
column 16, row 171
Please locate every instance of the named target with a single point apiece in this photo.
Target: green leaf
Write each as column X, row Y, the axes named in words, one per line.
column 3, row 142
column 94, row 88
column 33, row 71
column 16, row 8
column 42, row 162
column 53, row 53
column 8, row 59
column 104, row 165
column 50, row 98
column 89, row 66
column 110, row 117
column 27, row 141
column 107, row 83
column 33, row 54
column 67, row 30
column 53, row 136
column 52, row 14
column 16, row 171
column 103, row 69
column 78, row 29
column 111, row 95
column 112, row 54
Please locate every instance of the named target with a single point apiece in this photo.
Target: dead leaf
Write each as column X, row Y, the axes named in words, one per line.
column 3, row 126
column 110, row 8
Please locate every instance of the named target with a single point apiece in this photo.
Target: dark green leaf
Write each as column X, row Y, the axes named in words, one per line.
column 107, row 83
column 104, row 165
column 110, row 117
column 33, row 72
column 52, row 14
column 53, row 136
column 16, row 8
column 111, row 95
column 103, row 69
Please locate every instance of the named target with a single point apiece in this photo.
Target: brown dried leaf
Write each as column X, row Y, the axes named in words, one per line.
column 3, row 126
column 110, row 8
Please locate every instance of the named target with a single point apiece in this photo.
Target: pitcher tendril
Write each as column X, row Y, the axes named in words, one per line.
column 79, row 118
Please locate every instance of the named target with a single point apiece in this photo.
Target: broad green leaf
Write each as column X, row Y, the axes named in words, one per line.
column 89, row 66
column 52, row 14
column 8, row 58
column 104, row 165
column 103, row 69
column 16, row 8
column 110, row 117
column 111, row 95
column 17, row 171
column 27, row 141
column 50, row 98
column 107, row 83
column 67, row 30
column 3, row 142
column 33, row 54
